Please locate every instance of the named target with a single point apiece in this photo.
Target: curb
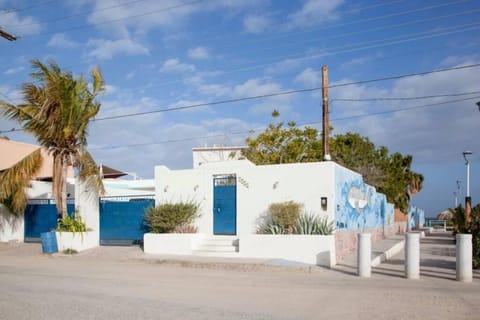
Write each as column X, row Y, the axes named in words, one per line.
column 388, row 253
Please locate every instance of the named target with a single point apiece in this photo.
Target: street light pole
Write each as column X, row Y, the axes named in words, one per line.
column 468, row 200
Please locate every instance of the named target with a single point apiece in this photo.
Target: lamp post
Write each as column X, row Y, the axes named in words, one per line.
column 468, row 200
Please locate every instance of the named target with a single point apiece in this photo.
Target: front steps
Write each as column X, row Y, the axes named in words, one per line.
column 218, row 246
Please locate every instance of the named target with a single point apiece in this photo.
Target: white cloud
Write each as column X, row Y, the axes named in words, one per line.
column 106, row 49
column 258, row 87
column 255, row 87
column 434, row 133
column 19, row 26
column 175, row 66
column 309, row 77
column 11, row 71
column 150, row 14
column 199, row 53
column 314, row 12
column 256, row 23
column 61, row 40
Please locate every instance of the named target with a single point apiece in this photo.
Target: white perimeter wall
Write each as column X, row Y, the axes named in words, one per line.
column 257, row 188
column 11, row 227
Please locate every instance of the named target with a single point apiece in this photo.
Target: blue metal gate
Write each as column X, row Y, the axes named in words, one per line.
column 41, row 216
column 122, row 219
column 225, row 205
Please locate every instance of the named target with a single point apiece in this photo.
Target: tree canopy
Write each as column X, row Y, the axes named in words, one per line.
column 391, row 174
column 57, row 108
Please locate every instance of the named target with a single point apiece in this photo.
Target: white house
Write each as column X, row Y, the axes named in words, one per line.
column 234, row 194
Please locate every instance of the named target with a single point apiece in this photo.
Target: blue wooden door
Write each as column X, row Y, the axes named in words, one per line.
column 41, row 217
column 122, row 222
column 225, row 205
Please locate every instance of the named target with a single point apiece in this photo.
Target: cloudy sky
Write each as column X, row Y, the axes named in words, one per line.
column 158, row 55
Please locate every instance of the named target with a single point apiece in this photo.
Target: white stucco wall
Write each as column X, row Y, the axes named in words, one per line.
column 257, row 188
column 11, row 227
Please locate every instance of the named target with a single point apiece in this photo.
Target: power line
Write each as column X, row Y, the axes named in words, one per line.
column 29, row 7
column 119, row 19
column 363, row 31
column 475, row 65
column 75, row 15
column 198, row 105
column 302, row 124
column 367, row 45
column 403, row 109
column 192, row 106
column 350, row 23
column 405, row 98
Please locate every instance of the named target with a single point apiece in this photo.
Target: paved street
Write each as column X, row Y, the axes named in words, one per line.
column 122, row 283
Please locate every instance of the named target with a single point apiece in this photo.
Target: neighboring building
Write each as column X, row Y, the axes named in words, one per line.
column 13, row 152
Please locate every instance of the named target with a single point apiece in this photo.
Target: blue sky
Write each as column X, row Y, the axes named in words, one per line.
column 156, row 55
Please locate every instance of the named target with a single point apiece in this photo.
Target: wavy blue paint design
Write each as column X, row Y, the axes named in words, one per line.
column 358, row 205
column 416, row 217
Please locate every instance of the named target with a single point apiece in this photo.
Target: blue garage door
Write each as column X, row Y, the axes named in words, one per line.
column 122, row 219
column 41, row 216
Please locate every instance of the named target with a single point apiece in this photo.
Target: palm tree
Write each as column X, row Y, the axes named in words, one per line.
column 57, row 112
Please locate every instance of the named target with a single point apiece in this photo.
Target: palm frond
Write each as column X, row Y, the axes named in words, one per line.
column 90, row 172
column 15, row 180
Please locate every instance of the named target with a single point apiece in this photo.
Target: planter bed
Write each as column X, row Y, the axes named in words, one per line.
column 78, row 241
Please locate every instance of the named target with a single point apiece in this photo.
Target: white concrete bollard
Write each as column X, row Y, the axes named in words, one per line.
column 464, row 257
column 412, row 255
column 364, row 255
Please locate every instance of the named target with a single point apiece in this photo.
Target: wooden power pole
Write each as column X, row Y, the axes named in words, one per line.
column 325, row 112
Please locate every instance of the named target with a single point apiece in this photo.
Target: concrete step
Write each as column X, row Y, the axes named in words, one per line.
column 218, row 245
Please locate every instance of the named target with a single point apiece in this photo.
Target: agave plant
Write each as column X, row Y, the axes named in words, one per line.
column 313, row 224
column 272, row 228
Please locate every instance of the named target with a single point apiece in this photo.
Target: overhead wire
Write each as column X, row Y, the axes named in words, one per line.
column 350, row 23
column 118, row 20
column 38, row 4
column 250, row 131
column 274, row 94
column 123, row 4
column 405, row 98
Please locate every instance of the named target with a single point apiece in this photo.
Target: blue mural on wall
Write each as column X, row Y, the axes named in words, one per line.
column 358, row 205
column 416, row 217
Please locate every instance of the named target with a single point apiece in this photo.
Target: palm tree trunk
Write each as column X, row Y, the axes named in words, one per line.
column 64, row 189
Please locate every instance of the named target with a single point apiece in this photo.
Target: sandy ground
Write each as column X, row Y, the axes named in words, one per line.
column 123, row 283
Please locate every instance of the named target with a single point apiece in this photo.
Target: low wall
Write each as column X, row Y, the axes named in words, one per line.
column 171, row 243
column 346, row 240
column 11, row 226
column 78, row 241
column 311, row 249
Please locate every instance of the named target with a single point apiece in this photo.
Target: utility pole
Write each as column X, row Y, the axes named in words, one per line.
column 7, row 35
column 325, row 112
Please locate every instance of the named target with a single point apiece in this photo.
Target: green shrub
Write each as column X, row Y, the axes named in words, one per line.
column 284, row 214
column 69, row 224
column 313, row 224
column 172, row 217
